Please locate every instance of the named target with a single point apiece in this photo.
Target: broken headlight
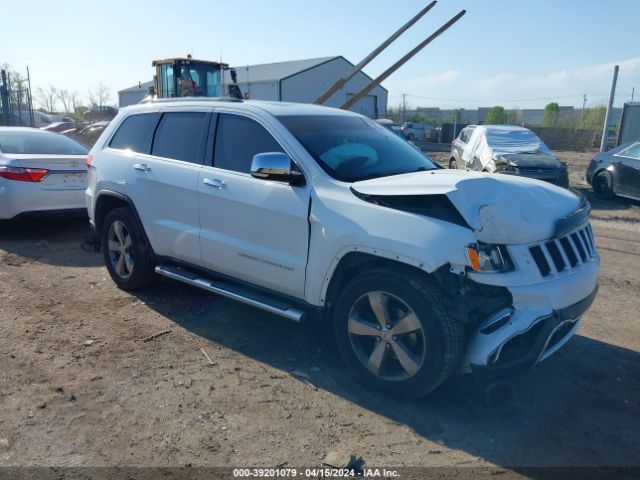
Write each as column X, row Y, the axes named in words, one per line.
column 483, row 257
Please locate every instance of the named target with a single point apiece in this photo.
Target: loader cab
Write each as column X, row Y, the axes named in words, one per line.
column 186, row 77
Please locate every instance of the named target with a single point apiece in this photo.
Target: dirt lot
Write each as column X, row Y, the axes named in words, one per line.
column 79, row 387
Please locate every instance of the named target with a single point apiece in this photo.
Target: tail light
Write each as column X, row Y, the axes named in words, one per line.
column 21, row 174
column 88, row 161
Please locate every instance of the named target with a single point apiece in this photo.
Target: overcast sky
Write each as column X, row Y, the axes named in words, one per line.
column 516, row 53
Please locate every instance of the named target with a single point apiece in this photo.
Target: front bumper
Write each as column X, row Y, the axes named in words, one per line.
column 541, row 319
column 544, row 337
column 556, row 177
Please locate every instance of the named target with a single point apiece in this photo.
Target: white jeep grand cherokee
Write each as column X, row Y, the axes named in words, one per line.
column 311, row 213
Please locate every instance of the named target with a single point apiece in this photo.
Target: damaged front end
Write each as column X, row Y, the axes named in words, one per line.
column 533, row 165
column 528, row 277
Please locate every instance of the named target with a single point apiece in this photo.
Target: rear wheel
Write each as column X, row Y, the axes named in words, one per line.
column 452, row 164
column 602, row 185
column 393, row 331
column 127, row 254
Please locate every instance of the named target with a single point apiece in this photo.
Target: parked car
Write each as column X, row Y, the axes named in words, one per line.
column 616, row 172
column 507, row 149
column 100, row 113
column 40, row 171
column 458, row 145
column 396, row 130
column 318, row 214
column 87, row 134
column 420, row 132
column 60, row 127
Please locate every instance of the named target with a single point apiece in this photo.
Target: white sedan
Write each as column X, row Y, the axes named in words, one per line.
column 40, row 171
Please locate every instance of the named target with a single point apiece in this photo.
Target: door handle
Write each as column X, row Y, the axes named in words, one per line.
column 143, row 167
column 618, row 163
column 215, row 183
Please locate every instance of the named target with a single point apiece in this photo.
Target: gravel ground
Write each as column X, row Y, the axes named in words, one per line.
column 79, row 386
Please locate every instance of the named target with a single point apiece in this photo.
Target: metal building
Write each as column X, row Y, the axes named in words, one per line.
column 295, row 81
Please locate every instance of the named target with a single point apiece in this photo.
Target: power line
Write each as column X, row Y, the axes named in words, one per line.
column 478, row 100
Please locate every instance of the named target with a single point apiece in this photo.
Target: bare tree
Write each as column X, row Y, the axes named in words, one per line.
column 74, row 99
column 65, row 98
column 47, row 97
column 99, row 96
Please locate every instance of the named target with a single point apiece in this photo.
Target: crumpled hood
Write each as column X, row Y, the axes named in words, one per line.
column 530, row 160
column 501, row 209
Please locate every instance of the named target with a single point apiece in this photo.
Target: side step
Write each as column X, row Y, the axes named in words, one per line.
column 231, row 291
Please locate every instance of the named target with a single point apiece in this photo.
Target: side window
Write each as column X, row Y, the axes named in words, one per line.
column 135, row 133
column 632, row 152
column 238, row 139
column 181, row 136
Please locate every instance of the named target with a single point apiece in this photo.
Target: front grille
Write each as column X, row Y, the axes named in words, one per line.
column 534, row 170
column 560, row 255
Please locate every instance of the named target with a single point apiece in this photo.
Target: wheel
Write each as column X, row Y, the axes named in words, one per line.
column 602, row 185
column 452, row 164
column 411, row 137
column 393, row 331
column 127, row 254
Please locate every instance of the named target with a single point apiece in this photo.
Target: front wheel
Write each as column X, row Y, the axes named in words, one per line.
column 393, row 331
column 127, row 254
column 602, row 185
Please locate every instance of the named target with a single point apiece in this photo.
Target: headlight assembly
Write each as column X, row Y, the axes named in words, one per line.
column 483, row 257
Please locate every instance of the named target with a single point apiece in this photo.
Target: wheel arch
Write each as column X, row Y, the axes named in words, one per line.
column 356, row 261
column 107, row 201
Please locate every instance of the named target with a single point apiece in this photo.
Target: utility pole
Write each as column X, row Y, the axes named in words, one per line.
column 633, row 90
column 404, row 107
column 4, row 96
column 605, row 129
column 584, row 102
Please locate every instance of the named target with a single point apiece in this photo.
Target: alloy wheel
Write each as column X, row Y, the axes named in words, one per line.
column 386, row 336
column 120, row 245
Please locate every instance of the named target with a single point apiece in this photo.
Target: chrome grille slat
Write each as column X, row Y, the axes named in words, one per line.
column 550, row 261
column 574, row 250
column 563, row 253
column 583, row 238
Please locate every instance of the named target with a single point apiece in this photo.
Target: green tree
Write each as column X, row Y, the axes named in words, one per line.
column 514, row 116
column 593, row 117
column 496, row 116
column 551, row 115
column 423, row 117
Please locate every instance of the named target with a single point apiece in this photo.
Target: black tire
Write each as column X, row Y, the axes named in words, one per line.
column 442, row 338
column 411, row 137
column 453, row 165
column 602, row 183
column 138, row 269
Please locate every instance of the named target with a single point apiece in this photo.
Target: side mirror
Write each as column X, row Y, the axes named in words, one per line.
column 275, row 166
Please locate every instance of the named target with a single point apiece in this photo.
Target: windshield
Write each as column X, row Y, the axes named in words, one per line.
column 351, row 148
column 40, row 143
column 515, row 141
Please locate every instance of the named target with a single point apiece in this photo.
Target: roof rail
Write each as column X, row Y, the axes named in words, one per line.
column 191, row 99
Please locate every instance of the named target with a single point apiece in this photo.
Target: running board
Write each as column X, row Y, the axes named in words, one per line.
column 231, row 291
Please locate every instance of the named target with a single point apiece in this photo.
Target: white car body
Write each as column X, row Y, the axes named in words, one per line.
column 291, row 239
column 61, row 188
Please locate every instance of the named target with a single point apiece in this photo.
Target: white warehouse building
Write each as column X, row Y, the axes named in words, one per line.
column 295, row 81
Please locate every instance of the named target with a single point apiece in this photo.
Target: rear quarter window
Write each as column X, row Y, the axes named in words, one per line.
column 135, row 133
